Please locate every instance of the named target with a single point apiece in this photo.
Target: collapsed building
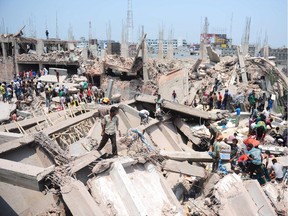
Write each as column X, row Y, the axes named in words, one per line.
column 50, row 165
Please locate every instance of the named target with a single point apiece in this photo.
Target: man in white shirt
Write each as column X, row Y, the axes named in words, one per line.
column 266, row 113
column 277, row 169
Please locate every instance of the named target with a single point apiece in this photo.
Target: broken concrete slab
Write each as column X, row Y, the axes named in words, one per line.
column 24, row 175
column 184, row 168
column 186, row 130
column 6, row 109
column 259, row 197
column 78, row 199
column 137, row 183
column 16, row 143
column 7, row 137
column 210, row 183
column 84, row 161
column 213, row 56
column 185, row 110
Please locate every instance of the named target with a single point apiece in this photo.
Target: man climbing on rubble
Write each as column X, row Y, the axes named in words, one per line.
column 110, row 125
column 144, row 115
column 214, row 134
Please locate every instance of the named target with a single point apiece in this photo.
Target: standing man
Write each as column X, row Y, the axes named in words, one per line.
column 238, row 111
column 57, row 75
column 110, row 125
column 47, row 34
column 252, row 100
column 174, row 96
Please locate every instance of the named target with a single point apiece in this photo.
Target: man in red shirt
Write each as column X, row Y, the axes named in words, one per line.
column 219, row 101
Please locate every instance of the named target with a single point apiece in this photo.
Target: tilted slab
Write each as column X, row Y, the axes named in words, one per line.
column 24, row 175
column 79, row 200
column 178, row 107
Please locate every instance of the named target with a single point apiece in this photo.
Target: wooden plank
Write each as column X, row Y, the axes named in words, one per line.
column 184, row 168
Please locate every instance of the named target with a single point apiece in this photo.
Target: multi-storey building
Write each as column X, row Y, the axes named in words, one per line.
column 153, row 44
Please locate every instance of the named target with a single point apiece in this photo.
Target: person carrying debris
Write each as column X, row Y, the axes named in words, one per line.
column 110, row 125
column 214, row 134
column 144, row 115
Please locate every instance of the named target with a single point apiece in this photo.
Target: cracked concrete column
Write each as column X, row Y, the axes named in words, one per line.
column 145, row 59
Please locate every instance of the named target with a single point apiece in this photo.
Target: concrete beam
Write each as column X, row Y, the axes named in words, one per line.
column 126, row 192
column 189, row 156
column 242, row 66
column 260, row 199
column 186, row 131
column 23, row 175
column 79, row 200
column 184, row 168
column 7, row 137
column 185, row 110
column 8, row 146
column 84, row 161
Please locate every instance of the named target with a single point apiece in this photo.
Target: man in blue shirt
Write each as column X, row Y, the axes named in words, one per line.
column 238, row 110
column 255, row 158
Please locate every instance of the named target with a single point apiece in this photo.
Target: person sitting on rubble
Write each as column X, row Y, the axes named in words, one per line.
column 13, row 116
column 255, row 158
column 144, row 115
column 277, row 171
column 214, row 134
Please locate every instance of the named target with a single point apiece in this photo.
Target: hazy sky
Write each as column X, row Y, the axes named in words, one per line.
column 183, row 16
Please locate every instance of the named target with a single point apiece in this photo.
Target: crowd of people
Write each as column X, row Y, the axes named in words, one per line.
column 245, row 156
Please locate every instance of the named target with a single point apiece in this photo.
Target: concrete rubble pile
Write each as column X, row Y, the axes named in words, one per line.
column 50, row 165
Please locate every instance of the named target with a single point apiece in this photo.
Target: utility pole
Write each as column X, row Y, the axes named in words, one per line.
column 57, row 34
column 160, row 44
column 130, row 22
column 246, row 36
